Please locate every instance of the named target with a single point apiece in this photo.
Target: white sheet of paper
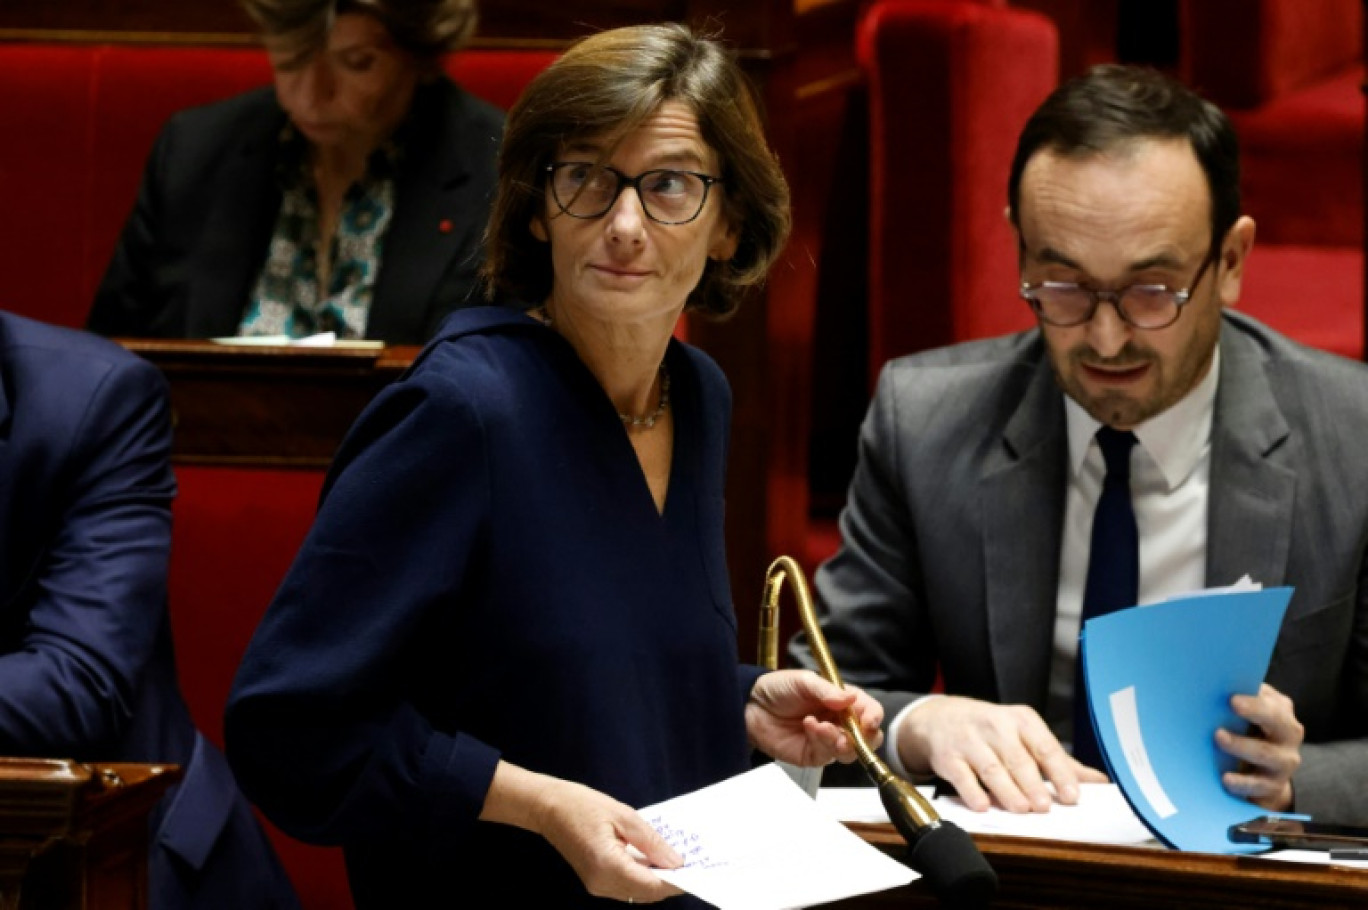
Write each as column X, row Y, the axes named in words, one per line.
column 321, row 340
column 1101, row 816
column 755, row 841
column 1313, row 857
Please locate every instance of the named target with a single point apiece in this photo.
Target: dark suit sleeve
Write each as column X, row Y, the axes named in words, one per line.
column 101, row 585
column 868, row 596
column 1330, row 784
column 320, row 728
column 128, row 300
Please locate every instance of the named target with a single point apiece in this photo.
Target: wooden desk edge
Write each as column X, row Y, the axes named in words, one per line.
column 1026, row 852
column 204, row 351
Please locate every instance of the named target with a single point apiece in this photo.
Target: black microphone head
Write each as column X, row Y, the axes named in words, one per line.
column 952, row 866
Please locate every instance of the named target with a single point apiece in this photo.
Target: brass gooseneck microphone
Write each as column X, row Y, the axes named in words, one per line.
column 940, row 850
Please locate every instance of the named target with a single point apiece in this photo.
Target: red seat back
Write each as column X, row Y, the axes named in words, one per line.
column 950, row 86
column 235, row 534
column 45, row 178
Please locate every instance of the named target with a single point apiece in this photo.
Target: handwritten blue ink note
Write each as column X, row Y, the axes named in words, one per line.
column 756, row 841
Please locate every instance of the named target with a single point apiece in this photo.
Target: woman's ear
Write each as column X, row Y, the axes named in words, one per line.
column 538, row 228
column 723, row 246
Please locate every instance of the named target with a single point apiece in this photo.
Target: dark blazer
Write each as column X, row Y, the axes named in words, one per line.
column 488, row 577
column 200, row 229
column 86, row 666
column 951, row 536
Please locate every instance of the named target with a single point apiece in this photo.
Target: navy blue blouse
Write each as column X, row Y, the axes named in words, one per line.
column 488, row 576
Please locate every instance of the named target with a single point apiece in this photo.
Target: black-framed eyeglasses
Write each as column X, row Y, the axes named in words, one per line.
column 1144, row 306
column 583, row 189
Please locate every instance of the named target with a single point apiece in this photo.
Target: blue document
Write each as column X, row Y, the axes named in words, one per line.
column 1160, row 679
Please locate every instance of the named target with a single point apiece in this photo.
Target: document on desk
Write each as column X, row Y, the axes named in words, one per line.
column 1314, row 858
column 1160, row 679
column 756, row 841
column 1101, row 815
column 321, row 340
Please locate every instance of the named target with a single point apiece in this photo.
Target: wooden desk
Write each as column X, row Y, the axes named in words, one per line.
column 267, row 406
column 74, row 836
column 1054, row 874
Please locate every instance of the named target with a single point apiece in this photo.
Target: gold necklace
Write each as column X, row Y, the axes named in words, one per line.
column 647, row 421
column 630, row 421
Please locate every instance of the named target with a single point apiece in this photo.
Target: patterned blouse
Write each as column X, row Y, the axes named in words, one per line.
column 287, row 299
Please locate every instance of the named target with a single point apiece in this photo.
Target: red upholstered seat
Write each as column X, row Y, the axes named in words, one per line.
column 45, row 177
column 498, row 76
column 1314, row 294
column 235, row 533
column 950, row 86
column 1290, row 73
column 1302, row 163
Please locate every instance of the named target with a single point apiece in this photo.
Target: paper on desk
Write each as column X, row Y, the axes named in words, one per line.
column 321, row 340
column 1160, row 680
column 1312, row 857
column 756, row 841
column 1102, row 815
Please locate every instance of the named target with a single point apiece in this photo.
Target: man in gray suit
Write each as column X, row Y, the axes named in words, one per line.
column 967, row 534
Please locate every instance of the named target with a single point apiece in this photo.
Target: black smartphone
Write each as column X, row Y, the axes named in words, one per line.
column 1301, row 835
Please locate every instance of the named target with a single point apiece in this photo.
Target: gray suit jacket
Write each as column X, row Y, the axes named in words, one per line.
column 951, row 535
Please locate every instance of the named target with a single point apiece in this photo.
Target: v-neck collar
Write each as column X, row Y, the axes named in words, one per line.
column 683, row 410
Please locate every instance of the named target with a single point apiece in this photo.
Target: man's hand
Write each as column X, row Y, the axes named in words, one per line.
column 796, row 715
column 991, row 752
column 1271, row 756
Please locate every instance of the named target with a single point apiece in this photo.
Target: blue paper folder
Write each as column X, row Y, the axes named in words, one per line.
column 1160, row 679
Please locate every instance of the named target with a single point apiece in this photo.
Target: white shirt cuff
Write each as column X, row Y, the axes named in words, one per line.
column 891, row 756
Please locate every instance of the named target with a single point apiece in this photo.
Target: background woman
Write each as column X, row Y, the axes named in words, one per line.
column 350, row 199
column 512, row 620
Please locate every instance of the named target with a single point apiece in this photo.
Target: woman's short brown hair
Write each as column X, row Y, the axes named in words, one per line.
column 427, row 29
column 607, row 85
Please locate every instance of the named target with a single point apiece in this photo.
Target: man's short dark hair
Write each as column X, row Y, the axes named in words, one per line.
column 1112, row 106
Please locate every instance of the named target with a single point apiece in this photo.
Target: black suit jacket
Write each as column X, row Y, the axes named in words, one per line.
column 199, row 231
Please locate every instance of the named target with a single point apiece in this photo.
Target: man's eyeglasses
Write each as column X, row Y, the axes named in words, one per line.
column 585, row 190
column 1145, row 306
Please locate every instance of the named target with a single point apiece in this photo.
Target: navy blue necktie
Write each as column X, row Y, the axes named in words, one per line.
column 1113, row 569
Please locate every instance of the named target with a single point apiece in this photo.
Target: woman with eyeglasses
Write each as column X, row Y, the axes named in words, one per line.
column 512, row 623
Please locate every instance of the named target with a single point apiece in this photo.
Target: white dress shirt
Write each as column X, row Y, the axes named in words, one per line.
column 1170, row 474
